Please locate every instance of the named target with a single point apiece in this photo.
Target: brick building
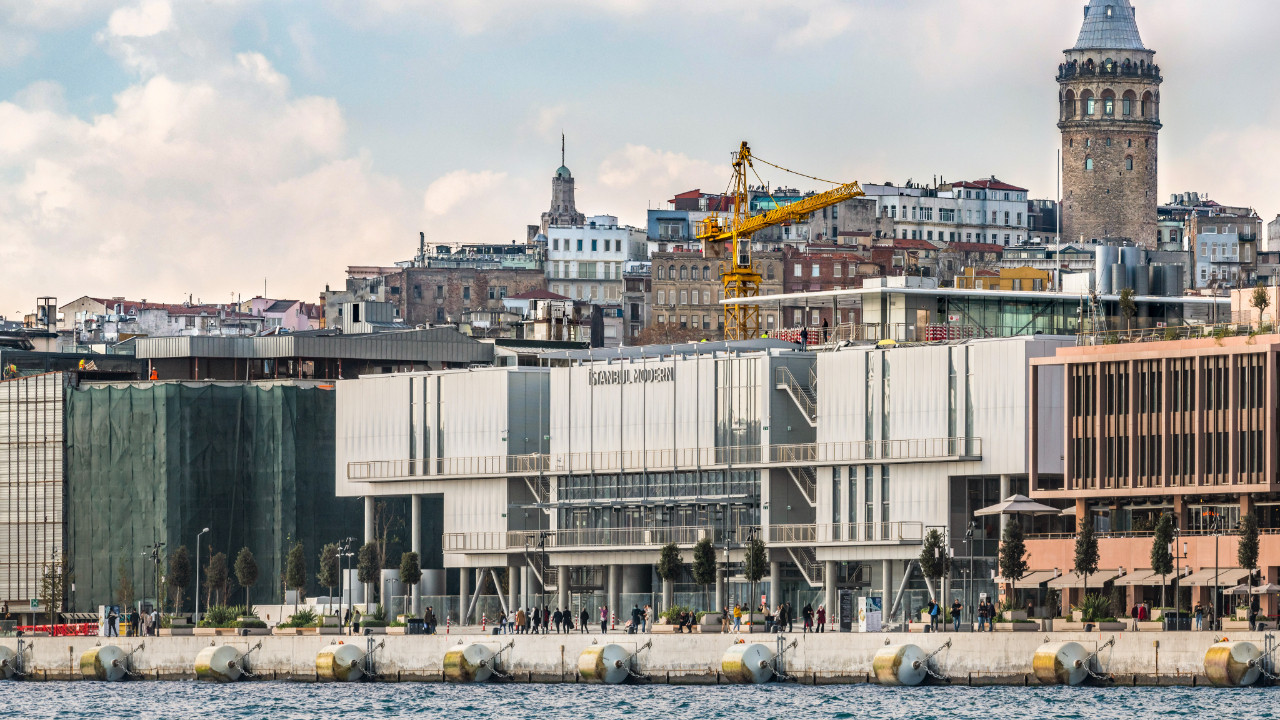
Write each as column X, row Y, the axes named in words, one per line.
column 687, row 290
column 822, row 267
column 1109, row 116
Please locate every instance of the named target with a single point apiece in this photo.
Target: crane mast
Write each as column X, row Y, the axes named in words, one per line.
column 741, row 280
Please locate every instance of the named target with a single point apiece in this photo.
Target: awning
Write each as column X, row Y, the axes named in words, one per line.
column 1034, row 579
column 1145, row 576
column 1072, row 580
column 1226, row 577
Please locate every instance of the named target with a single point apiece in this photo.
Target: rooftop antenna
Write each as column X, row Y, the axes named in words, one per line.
column 562, row 148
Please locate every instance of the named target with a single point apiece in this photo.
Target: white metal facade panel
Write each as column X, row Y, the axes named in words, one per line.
column 32, row 428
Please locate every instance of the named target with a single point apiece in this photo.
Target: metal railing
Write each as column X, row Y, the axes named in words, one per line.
column 517, row 540
column 855, row 451
column 802, row 395
column 900, row 531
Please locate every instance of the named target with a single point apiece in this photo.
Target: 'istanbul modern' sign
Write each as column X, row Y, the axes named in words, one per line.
column 622, row 376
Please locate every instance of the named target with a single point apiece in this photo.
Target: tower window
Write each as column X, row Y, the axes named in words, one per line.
column 1088, row 163
column 1090, row 106
column 1128, row 162
column 1088, row 142
column 1108, row 142
column 1127, row 106
column 1109, row 106
column 1130, row 141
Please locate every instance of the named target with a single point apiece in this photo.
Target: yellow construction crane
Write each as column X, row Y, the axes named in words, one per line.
column 742, row 321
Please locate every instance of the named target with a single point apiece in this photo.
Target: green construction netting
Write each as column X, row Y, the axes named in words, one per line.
column 254, row 464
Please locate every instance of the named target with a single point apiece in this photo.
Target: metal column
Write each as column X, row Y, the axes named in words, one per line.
column 775, row 583
column 562, row 588
column 513, row 594
column 368, row 538
column 886, row 587
column 829, row 590
column 615, row 589
column 464, row 594
column 415, row 544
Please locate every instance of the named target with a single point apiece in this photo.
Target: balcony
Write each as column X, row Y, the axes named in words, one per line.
column 613, row 538
column 902, row 532
column 664, row 460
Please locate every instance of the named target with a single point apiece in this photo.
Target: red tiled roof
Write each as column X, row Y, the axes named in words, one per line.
column 991, row 184
column 908, row 244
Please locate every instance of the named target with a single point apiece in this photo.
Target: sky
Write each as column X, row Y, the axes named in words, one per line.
column 162, row 149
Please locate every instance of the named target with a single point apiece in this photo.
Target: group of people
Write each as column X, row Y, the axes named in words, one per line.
column 137, row 624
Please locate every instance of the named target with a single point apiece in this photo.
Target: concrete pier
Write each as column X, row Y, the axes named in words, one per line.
column 1146, row 658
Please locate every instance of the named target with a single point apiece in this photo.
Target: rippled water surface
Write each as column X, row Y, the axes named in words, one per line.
column 293, row 701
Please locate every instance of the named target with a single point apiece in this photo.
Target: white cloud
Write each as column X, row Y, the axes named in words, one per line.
column 185, row 187
column 147, row 18
column 637, row 176
column 824, row 21
column 449, row 191
column 549, row 120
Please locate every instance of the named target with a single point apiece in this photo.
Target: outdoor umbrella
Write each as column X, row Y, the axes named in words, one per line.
column 1018, row 505
column 1237, row 590
column 1268, row 589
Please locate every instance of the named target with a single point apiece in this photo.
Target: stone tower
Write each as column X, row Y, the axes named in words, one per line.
column 563, row 210
column 1109, row 115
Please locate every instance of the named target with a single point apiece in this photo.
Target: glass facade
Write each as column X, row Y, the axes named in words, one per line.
column 737, row 402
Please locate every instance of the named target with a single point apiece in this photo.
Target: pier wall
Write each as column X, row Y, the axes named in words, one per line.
column 973, row 658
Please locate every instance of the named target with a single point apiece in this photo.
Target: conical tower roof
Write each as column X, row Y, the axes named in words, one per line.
column 1109, row 25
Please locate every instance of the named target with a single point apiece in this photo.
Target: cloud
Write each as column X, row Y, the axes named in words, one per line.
column 147, row 18
column 636, row 176
column 549, row 120
column 14, row 47
column 189, row 187
column 450, row 190
column 824, row 21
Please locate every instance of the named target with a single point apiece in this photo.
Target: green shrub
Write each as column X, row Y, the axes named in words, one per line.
column 379, row 615
column 1094, row 607
column 250, row 623
column 301, row 619
column 221, row 616
column 673, row 612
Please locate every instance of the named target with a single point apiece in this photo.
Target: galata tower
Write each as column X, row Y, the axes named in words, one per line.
column 1109, row 115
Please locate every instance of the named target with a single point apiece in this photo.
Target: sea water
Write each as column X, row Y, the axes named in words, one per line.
column 296, row 701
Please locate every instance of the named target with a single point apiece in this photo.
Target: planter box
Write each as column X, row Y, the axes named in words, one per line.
column 1116, row 626
column 216, row 632
column 285, row 631
column 169, row 632
column 1077, row 616
column 1242, row 613
column 1150, row 625
column 335, row 630
column 1018, row 627
column 1016, row 615
column 1235, row 624
column 397, row 630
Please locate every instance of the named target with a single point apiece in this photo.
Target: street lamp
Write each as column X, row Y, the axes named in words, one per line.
column 196, row 617
column 343, row 552
column 968, row 586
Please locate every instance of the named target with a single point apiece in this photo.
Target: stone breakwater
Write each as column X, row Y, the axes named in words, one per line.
column 1137, row 658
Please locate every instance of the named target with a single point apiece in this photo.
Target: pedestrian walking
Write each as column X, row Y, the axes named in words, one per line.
column 934, row 612
column 583, row 619
column 791, row 616
column 1199, row 616
column 808, row 617
column 644, row 618
column 822, row 618
column 637, row 617
column 956, row 607
column 737, row 617
column 604, row 618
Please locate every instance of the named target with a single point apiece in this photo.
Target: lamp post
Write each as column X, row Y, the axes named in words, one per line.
column 196, row 617
column 968, row 585
column 343, row 552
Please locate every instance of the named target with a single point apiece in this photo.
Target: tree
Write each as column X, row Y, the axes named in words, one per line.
column 124, row 586
column 246, row 573
column 368, row 564
column 410, row 573
column 1013, row 553
column 329, row 574
column 704, row 563
column 669, row 567
column 1086, row 551
column 755, row 564
column 1161, row 558
column 1261, row 300
column 179, row 575
column 1128, row 307
column 54, row 579
column 216, row 577
column 1247, row 550
column 935, row 561
column 295, row 573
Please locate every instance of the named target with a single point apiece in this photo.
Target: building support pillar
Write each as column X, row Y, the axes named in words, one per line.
column 775, row 583
column 886, row 589
column 464, row 594
column 415, row 544
column 615, row 590
column 668, row 595
column 513, row 588
column 562, row 587
column 721, row 595
column 368, row 538
column 524, row 586
column 1006, row 489
column 829, row 590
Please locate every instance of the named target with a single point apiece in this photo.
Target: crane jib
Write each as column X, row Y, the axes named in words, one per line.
column 718, row 233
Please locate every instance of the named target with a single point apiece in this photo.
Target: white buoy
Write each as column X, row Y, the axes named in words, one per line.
column 899, row 665
column 469, row 663
column 607, row 664
column 1061, row 663
column 1233, row 664
column 105, row 662
column 340, row 663
column 747, row 663
column 219, row 663
column 8, row 662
